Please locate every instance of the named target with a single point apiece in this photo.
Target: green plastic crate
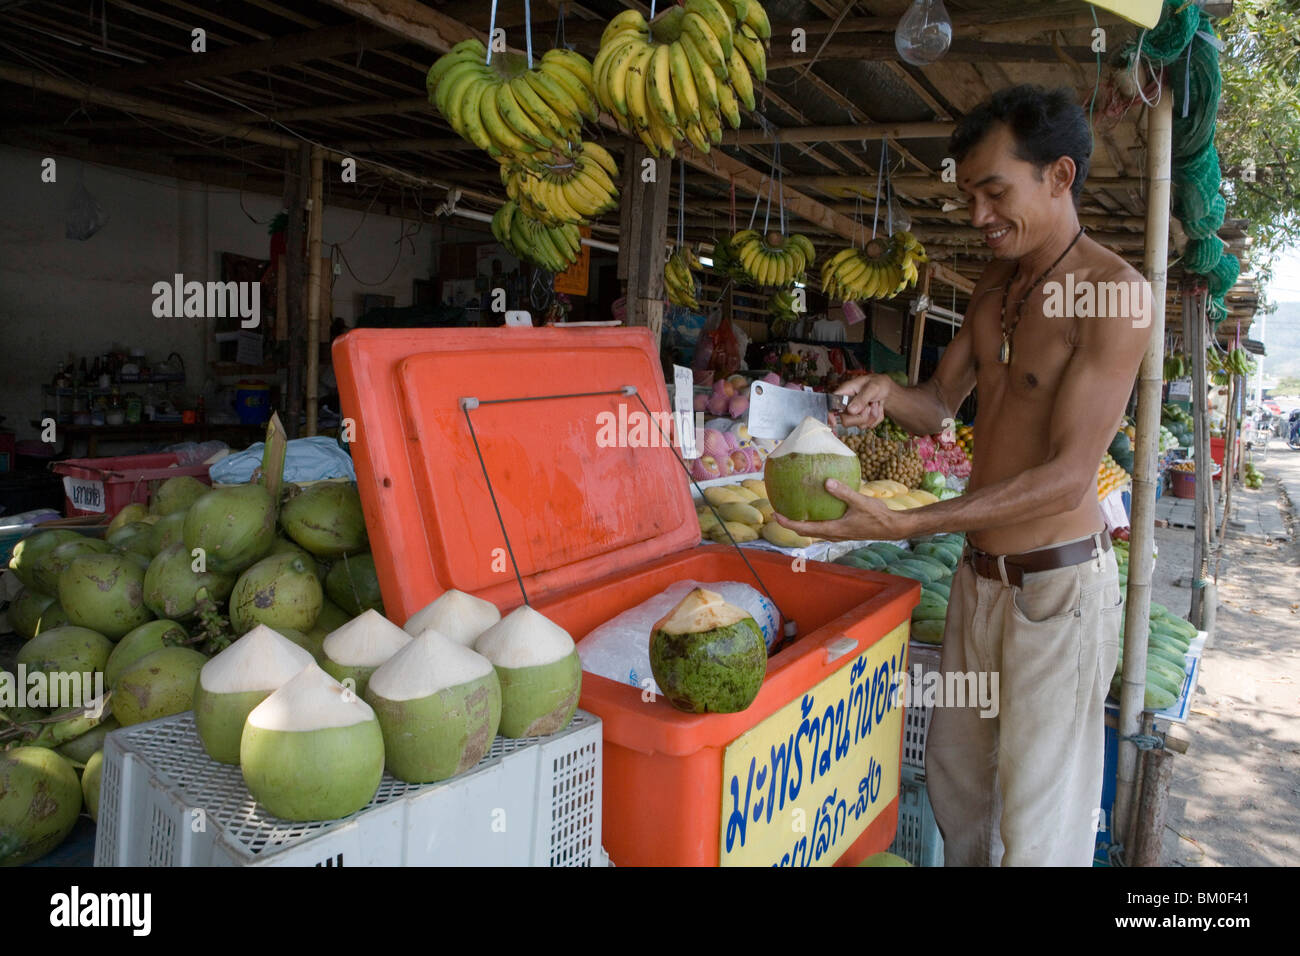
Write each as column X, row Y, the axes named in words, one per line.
column 918, row 840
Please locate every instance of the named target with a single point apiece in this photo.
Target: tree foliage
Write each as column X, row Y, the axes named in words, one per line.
column 1259, row 122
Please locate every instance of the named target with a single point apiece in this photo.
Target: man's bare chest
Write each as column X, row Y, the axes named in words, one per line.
column 1021, row 357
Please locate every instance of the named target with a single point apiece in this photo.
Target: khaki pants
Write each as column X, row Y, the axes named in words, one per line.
column 1023, row 788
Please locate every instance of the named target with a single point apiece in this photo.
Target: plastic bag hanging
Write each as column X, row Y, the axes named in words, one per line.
column 85, row 216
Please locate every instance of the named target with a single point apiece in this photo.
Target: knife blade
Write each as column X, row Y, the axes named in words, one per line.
column 774, row 412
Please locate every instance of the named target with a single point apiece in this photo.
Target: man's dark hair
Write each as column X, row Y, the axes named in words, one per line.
column 1046, row 124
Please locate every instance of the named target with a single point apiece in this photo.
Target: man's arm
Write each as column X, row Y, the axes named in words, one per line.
column 921, row 409
column 1094, row 390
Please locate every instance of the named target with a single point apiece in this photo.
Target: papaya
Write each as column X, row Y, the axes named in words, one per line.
column 917, row 569
column 941, row 569
column 873, row 558
column 929, row 549
column 853, row 561
column 890, row 552
column 929, row 612
column 939, row 588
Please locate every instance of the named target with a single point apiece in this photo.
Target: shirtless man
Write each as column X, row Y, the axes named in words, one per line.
column 1036, row 597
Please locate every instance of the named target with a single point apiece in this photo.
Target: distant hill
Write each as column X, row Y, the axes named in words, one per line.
column 1282, row 340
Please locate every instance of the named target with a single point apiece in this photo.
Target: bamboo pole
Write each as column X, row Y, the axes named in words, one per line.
column 1151, row 810
column 918, row 328
column 315, row 215
column 1204, row 507
column 1137, row 609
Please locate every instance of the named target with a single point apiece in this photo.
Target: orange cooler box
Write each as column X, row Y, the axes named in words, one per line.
column 599, row 516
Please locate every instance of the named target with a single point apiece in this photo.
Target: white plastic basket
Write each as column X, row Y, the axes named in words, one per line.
column 916, row 718
column 530, row 802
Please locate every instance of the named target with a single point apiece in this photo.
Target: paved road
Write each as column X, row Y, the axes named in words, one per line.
column 1235, row 795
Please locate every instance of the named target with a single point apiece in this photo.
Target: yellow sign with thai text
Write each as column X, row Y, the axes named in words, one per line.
column 1145, row 13
column 801, row 786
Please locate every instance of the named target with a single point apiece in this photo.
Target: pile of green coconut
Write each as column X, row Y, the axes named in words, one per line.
column 264, row 617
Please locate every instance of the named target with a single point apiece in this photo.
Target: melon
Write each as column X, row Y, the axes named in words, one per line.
column 795, row 474
column 455, row 614
column 40, row 799
column 439, row 707
column 237, row 680
column 708, row 656
column 313, row 750
column 358, row 647
column 540, row 672
column 158, row 685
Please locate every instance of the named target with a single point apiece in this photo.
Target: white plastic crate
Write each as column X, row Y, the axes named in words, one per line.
column 530, row 802
column 916, row 718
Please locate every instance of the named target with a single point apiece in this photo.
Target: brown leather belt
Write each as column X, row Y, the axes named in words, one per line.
column 1045, row 559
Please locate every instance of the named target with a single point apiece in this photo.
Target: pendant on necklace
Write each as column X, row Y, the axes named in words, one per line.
column 1004, row 353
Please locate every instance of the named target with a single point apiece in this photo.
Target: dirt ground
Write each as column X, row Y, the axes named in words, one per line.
column 1235, row 795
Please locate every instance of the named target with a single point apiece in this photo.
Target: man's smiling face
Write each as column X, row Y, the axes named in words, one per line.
column 1011, row 200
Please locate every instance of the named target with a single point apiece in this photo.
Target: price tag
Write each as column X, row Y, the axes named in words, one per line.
column 684, row 410
column 85, row 494
column 1180, row 390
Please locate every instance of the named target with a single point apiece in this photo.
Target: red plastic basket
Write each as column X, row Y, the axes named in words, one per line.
column 104, row 486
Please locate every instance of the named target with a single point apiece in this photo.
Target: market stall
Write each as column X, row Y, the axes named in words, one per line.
column 494, row 578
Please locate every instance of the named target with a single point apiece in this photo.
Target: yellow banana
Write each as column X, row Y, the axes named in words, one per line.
column 557, row 98
column 741, row 81
column 574, row 63
column 659, row 85
column 542, row 114
column 635, row 88
column 683, row 83
column 602, row 157
column 751, row 49
column 730, row 108
column 498, row 130
column 618, row 79
column 580, row 93
column 468, row 123
column 517, row 119
column 603, row 65
column 697, row 28
column 627, row 21
column 719, row 23
column 756, row 19
column 453, row 79
column 706, row 84
column 697, row 136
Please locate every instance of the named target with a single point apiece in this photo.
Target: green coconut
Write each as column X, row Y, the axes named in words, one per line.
column 313, row 645
column 104, row 592
column 278, row 591
column 234, row 526
column 177, row 494
column 91, row 779
column 135, row 511
column 40, row 800
column 356, row 649
column 313, row 750
column 330, row 619
column 171, row 585
column 136, row 537
column 29, row 552
column 158, row 685
column 141, row 642
column 439, row 706
column 52, row 565
column 52, row 617
column 353, row 585
column 237, row 680
column 796, row 472
column 283, row 545
column 540, row 672
column 455, row 614
column 81, row 749
column 25, row 611
column 65, row 650
column 708, row 656
column 167, row 531
column 326, row 519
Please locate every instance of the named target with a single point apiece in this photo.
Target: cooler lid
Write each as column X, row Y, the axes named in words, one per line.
column 584, row 484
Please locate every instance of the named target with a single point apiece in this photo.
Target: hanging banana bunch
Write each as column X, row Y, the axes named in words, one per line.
column 519, row 115
column 880, row 271
column 783, row 308
column 576, row 190
column 725, row 261
column 554, row 248
column 1239, row 362
column 678, row 279
column 774, row 260
column 1175, row 367
column 673, row 79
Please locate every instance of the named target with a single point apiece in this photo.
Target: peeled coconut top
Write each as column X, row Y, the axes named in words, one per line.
column 263, row 659
column 310, row 701
column 812, row 437
column 524, row 638
column 701, row 611
column 428, row 664
column 367, row 640
column 455, row 614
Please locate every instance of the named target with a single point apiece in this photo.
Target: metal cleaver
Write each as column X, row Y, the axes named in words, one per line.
column 774, row 412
